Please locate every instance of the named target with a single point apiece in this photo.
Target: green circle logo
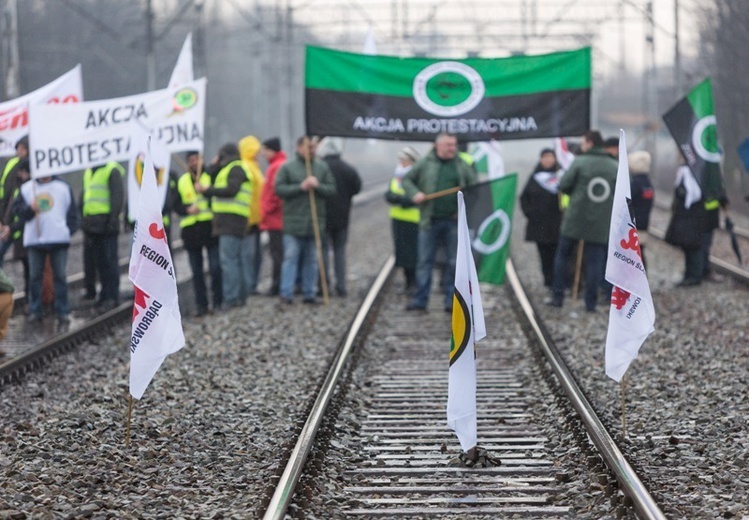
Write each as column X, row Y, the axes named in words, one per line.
column 705, row 139
column 185, row 98
column 448, row 88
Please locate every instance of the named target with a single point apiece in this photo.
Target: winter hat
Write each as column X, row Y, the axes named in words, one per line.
column 407, row 153
column 330, row 146
column 273, row 143
column 639, row 162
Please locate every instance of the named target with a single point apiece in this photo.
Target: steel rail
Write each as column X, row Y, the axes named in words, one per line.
column 737, row 273
column 286, row 485
column 17, row 366
column 630, row 483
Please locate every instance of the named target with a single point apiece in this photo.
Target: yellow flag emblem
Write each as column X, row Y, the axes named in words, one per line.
column 461, row 327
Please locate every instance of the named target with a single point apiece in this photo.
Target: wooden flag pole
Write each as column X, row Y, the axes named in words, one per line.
column 624, row 409
column 442, row 193
column 36, row 216
column 318, row 238
column 578, row 268
column 129, row 414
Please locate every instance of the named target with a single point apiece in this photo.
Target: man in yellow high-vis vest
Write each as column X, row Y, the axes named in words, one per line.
column 230, row 197
column 196, row 231
column 8, row 185
column 101, row 207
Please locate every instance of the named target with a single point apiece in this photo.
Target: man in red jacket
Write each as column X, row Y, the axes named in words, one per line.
column 271, row 208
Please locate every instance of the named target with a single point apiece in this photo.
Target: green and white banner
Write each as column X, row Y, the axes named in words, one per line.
column 489, row 209
column 693, row 126
column 478, row 99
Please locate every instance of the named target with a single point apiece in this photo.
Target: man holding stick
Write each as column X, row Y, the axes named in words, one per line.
column 432, row 184
column 589, row 182
column 303, row 183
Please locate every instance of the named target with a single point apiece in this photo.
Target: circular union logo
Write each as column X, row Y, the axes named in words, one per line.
column 45, row 202
column 596, row 195
column 705, row 139
column 491, row 236
column 448, row 88
column 139, row 167
column 185, row 98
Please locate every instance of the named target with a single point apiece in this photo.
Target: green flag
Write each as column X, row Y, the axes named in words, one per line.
column 489, row 209
column 693, row 126
column 477, row 99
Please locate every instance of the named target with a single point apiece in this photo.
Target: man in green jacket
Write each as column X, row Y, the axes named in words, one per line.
column 441, row 169
column 589, row 182
column 293, row 185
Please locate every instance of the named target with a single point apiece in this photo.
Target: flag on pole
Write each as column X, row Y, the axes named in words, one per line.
column 488, row 160
column 632, row 315
column 693, row 126
column 136, row 166
column 562, row 151
column 489, row 207
column 14, row 113
column 467, row 328
column 182, row 72
column 370, row 43
column 391, row 97
column 157, row 324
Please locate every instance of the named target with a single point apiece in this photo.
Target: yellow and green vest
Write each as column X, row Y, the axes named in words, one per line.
column 188, row 195
column 96, row 196
column 398, row 212
column 240, row 203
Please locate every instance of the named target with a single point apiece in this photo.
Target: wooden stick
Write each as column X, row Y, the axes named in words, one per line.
column 318, row 239
column 442, row 193
column 36, row 216
column 578, row 268
column 624, row 409
column 129, row 414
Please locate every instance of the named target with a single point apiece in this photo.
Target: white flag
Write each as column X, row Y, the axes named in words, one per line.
column 488, row 159
column 136, row 166
column 70, row 137
column 467, row 328
column 157, row 324
column 14, row 114
column 564, row 156
column 632, row 314
column 182, row 72
column 370, row 44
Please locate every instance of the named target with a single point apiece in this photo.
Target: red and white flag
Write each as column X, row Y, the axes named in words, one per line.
column 632, row 314
column 157, row 324
column 564, row 156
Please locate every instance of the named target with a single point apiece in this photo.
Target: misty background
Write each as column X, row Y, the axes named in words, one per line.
column 646, row 55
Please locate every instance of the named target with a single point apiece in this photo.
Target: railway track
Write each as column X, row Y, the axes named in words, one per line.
column 403, row 462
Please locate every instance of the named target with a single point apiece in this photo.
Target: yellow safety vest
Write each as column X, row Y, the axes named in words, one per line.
column 712, row 204
column 188, row 195
column 8, row 167
column 18, row 232
column 240, row 203
column 467, row 158
column 399, row 212
column 96, row 196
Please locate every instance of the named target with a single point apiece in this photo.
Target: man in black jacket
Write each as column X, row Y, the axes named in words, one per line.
column 348, row 184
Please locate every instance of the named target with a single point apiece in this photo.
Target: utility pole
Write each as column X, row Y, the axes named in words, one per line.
column 677, row 51
column 652, row 115
column 10, row 50
column 199, row 41
column 150, row 56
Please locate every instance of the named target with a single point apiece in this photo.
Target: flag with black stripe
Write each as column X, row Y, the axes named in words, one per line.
column 477, row 99
column 693, row 125
column 489, row 209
